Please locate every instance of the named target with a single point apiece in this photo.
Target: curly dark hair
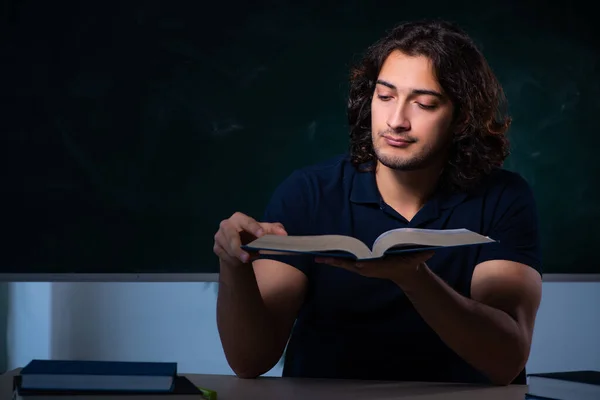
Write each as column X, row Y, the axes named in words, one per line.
column 480, row 120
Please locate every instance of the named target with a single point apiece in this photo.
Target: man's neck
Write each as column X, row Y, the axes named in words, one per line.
column 406, row 191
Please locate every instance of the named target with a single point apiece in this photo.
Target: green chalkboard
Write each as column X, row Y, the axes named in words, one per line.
column 133, row 128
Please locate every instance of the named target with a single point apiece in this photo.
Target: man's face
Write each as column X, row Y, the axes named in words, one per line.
column 410, row 116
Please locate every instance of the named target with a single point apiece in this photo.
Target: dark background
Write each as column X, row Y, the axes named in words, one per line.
column 131, row 129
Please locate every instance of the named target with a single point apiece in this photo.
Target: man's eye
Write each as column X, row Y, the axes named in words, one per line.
column 384, row 98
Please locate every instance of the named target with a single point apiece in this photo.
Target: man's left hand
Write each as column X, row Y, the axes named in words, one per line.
column 397, row 268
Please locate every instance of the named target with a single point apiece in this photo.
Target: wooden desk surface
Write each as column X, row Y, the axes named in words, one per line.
column 272, row 388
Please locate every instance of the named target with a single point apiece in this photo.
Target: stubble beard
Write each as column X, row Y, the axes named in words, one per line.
column 425, row 158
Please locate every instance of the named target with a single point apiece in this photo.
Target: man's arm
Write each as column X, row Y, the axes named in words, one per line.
column 492, row 331
column 258, row 304
column 256, row 309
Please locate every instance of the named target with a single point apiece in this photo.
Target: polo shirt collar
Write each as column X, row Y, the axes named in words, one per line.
column 364, row 186
column 449, row 200
column 364, row 190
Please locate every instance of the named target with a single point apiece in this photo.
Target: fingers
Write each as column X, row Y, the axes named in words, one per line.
column 274, row 228
column 389, row 267
column 228, row 240
column 238, row 230
column 420, row 256
column 220, row 251
column 248, row 224
column 407, row 259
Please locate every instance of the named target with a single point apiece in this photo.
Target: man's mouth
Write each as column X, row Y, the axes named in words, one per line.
column 397, row 142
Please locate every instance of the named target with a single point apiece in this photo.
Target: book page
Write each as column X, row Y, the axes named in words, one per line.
column 405, row 237
column 312, row 244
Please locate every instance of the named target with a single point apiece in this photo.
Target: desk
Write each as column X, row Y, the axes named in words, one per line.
column 271, row 388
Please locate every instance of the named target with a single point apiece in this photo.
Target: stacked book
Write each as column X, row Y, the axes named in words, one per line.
column 568, row 385
column 99, row 380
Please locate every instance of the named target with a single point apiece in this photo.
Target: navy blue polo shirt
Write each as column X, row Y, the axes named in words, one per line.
column 356, row 327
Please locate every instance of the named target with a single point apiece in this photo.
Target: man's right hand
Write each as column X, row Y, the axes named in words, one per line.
column 239, row 230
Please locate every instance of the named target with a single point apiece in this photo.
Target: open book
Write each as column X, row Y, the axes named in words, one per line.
column 390, row 242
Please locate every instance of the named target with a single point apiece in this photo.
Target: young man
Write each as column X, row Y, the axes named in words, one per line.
column 427, row 142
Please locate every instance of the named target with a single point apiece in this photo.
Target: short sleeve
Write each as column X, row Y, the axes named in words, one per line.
column 290, row 205
column 515, row 227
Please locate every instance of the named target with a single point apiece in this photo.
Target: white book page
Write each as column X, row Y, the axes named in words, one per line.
column 318, row 243
column 404, row 237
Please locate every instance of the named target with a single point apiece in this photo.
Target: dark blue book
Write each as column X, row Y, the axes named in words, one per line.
column 182, row 387
column 98, row 375
column 568, row 385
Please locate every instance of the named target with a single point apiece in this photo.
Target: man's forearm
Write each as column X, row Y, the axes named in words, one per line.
column 487, row 338
column 246, row 328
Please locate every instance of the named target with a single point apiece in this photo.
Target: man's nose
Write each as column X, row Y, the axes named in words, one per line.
column 398, row 120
